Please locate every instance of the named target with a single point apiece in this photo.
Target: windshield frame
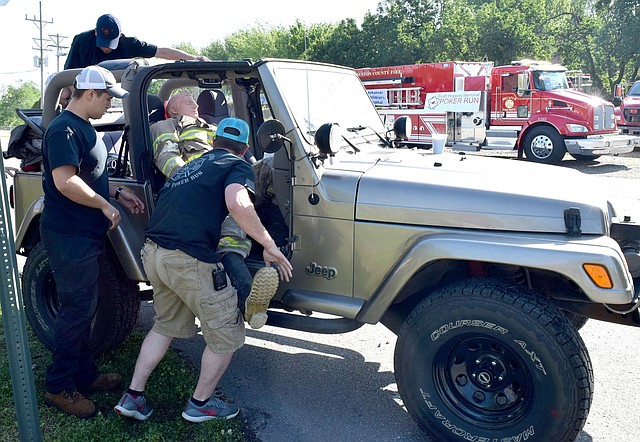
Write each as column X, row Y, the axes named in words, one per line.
column 317, row 94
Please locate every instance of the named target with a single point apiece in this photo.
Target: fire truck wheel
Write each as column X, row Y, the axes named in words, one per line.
column 544, row 145
column 483, row 360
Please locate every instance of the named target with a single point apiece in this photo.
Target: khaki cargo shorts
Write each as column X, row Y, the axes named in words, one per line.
column 183, row 290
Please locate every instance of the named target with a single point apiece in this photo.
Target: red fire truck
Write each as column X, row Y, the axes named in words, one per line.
column 526, row 106
column 628, row 114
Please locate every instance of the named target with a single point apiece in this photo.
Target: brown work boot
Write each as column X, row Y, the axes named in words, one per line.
column 263, row 287
column 71, row 402
column 104, row 382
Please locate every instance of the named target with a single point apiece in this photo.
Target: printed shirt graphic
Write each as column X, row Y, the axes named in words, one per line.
column 191, row 205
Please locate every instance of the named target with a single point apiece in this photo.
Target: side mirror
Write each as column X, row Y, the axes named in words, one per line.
column 617, row 91
column 402, row 128
column 270, row 136
column 327, row 138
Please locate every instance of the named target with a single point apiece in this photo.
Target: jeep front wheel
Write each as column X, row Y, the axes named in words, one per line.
column 481, row 360
column 118, row 302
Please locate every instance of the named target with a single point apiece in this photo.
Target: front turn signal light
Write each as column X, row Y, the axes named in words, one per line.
column 599, row 275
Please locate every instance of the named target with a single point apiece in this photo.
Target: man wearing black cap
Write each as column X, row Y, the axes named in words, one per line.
column 181, row 261
column 107, row 42
column 77, row 214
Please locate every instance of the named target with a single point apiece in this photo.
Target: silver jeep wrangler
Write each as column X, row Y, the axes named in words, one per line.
column 484, row 268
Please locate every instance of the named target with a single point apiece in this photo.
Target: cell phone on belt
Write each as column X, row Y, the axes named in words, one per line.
column 219, row 279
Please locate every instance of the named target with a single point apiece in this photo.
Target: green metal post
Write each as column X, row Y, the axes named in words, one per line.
column 15, row 329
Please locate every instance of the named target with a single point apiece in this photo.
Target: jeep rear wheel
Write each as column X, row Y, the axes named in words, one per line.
column 118, row 302
column 481, row 360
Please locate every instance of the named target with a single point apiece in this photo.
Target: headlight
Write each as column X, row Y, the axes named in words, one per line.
column 576, row 128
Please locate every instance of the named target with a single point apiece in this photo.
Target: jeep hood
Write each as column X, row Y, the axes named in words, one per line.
column 463, row 191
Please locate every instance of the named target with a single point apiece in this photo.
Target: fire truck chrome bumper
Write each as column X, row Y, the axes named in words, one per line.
column 603, row 144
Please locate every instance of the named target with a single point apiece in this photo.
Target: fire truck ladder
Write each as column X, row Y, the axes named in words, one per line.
column 405, row 97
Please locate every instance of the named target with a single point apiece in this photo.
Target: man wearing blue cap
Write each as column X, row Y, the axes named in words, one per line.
column 183, row 266
column 107, row 42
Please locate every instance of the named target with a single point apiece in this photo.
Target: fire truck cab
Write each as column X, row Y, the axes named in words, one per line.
column 526, row 106
column 628, row 113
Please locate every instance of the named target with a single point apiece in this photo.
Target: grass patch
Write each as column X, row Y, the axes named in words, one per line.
column 169, row 387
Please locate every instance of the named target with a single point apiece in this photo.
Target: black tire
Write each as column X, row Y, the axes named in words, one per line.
column 578, row 321
column 544, row 145
column 118, row 303
column 480, row 360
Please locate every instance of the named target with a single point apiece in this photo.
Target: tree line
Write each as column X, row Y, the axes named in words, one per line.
column 599, row 37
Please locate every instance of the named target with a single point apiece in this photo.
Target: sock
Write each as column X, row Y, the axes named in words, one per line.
column 198, row 403
column 134, row 393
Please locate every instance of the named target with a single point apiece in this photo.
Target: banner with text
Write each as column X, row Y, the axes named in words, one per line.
column 465, row 101
column 379, row 97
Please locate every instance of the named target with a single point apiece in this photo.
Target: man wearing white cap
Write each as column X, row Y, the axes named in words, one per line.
column 107, row 42
column 77, row 214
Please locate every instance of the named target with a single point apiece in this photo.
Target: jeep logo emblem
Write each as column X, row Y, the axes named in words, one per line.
column 322, row 271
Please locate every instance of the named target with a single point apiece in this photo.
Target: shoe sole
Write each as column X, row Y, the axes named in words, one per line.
column 134, row 414
column 263, row 287
column 198, row 419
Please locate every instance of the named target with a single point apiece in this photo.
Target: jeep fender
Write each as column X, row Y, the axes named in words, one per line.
column 126, row 241
column 28, row 232
column 553, row 253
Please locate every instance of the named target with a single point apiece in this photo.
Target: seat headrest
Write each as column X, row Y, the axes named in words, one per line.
column 156, row 108
column 212, row 106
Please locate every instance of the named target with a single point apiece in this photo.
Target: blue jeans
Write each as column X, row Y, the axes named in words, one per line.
column 239, row 275
column 74, row 261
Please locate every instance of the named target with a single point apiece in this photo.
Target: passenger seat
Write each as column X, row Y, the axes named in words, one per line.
column 212, row 106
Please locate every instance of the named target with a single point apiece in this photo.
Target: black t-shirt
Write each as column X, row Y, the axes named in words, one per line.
column 191, row 205
column 84, row 52
column 72, row 141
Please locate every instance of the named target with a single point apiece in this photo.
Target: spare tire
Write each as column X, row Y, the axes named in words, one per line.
column 118, row 302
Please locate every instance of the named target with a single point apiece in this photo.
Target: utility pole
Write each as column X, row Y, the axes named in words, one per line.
column 40, row 61
column 60, row 50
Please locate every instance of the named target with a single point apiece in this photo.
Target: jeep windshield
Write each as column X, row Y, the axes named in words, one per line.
column 317, row 95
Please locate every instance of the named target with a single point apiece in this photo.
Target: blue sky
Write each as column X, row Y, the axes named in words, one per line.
column 159, row 23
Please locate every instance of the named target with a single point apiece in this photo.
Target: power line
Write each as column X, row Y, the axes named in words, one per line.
column 60, row 50
column 18, row 72
column 40, row 62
